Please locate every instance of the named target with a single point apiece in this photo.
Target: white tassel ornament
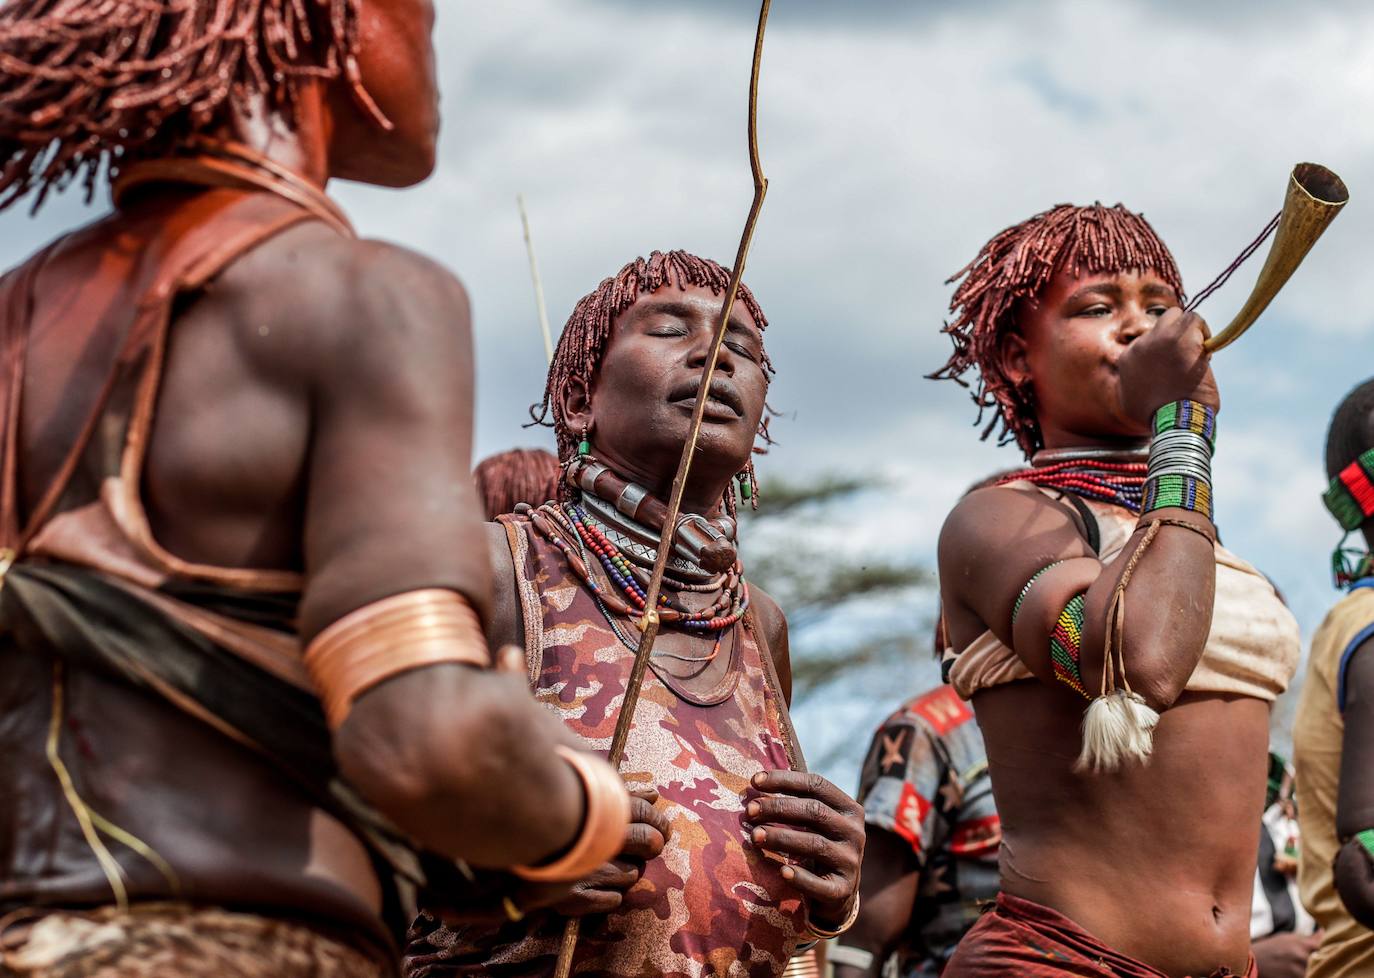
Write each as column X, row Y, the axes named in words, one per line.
column 1117, row 727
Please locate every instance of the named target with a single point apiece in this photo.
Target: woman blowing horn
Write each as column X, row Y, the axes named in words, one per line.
column 1127, row 752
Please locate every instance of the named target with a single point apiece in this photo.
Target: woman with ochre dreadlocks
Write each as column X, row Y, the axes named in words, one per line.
column 700, row 889
column 1127, row 752
column 246, row 707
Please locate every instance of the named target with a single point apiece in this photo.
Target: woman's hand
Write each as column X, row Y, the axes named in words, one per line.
column 1167, row 363
column 1284, row 955
column 806, row 817
column 605, row 889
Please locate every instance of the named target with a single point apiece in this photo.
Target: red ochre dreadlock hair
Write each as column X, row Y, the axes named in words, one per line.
column 520, row 475
column 89, row 83
column 588, row 329
column 1014, row 267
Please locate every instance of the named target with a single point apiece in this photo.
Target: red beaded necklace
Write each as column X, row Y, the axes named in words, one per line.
column 1119, row 483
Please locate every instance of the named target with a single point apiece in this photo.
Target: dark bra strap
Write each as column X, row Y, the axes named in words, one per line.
column 1091, row 532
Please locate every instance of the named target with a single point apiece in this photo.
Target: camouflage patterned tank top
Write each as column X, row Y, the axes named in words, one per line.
column 712, row 904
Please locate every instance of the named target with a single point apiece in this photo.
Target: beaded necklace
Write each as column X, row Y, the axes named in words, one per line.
column 597, row 595
column 580, row 534
column 619, row 570
column 1087, row 473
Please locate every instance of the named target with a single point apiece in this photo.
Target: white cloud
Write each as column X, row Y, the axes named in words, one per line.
column 896, row 145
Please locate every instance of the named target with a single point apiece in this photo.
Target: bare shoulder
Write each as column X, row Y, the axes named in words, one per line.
column 772, row 623
column 339, row 300
column 768, row 614
column 988, row 521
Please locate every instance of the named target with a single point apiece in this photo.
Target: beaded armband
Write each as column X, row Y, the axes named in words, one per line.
column 1025, row 590
column 1066, row 641
column 1366, row 841
column 1180, row 468
column 1187, row 416
column 1066, row 646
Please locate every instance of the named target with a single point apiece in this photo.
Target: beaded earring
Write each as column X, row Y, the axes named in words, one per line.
column 746, row 491
column 584, row 447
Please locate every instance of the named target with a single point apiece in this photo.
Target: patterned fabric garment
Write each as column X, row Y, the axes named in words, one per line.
column 926, row 780
column 1021, row 939
column 172, row 941
column 712, row 904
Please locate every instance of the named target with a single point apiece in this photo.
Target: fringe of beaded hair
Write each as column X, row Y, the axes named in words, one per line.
column 1015, row 266
column 91, row 83
column 588, row 330
column 520, row 475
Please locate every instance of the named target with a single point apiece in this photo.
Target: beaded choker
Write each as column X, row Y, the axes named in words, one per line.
column 1350, row 499
column 1121, row 483
column 573, row 531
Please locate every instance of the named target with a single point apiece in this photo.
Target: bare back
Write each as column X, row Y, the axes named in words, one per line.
column 275, row 449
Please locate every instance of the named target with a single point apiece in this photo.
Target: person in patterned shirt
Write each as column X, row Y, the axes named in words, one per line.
column 930, row 860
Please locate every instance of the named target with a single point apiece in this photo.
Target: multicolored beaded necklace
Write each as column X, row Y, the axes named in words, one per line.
column 581, row 533
column 1106, row 476
column 620, row 571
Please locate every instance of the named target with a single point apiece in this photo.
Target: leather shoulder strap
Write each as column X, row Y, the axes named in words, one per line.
column 16, row 310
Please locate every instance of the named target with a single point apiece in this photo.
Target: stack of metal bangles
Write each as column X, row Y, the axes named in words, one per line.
column 1179, row 473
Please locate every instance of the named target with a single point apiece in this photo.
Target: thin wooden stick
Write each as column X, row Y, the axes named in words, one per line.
column 648, row 625
column 538, row 282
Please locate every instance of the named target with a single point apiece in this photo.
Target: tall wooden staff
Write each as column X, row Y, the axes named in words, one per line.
column 539, row 305
column 648, row 624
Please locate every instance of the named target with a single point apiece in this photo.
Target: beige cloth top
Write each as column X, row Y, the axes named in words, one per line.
column 1347, row 949
column 1253, row 648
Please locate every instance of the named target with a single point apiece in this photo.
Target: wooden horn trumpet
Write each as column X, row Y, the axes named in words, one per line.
column 1315, row 197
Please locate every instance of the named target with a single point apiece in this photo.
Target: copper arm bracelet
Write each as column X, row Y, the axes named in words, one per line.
column 388, row 637
column 603, row 830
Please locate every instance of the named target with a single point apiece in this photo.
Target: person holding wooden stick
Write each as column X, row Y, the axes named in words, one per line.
column 738, row 858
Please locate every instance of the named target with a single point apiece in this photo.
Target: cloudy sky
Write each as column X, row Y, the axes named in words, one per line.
column 898, row 135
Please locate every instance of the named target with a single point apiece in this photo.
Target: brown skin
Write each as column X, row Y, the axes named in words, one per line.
column 1102, row 353
column 275, row 446
column 1354, row 868
column 639, row 412
column 1284, row 955
column 887, row 892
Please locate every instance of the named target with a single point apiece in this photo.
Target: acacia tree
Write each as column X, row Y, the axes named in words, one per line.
column 860, row 623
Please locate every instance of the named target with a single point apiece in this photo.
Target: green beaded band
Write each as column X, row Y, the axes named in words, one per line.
column 1066, row 643
column 1016, row 608
column 1366, row 839
column 1180, row 492
column 1179, row 474
column 1187, row 416
column 1350, row 496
